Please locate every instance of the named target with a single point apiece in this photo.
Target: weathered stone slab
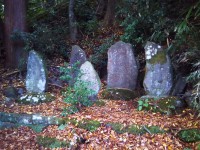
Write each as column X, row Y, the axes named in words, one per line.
column 36, row 74
column 122, row 66
column 158, row 76
column 90, row 76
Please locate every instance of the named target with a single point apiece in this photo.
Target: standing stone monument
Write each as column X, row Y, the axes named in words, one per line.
column 122, row 67
column 91, row 78
column 77, row 56
column 158, row 76
column 36, row 75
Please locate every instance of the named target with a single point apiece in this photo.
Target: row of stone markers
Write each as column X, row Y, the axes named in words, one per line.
column 122, row 71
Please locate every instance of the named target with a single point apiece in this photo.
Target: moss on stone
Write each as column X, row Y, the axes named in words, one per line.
column 119, row 94
column 189, row 135
column 159, row 58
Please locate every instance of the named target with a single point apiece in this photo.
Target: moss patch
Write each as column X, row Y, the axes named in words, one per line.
column 159, row 58
column 49, row 142
column 189, row 135
column 90, row 125
column 99, row 103
column 135, row 129
column 119, row 94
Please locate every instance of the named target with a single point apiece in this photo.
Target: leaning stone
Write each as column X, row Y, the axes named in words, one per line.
column 122, row 66
column 91, row 78
column 158, row 76
column 36, row 74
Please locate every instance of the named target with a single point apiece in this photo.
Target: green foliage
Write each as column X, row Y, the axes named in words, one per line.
column 49, row 142
column 47, row 39
column 100, row 58
column 189, row 135
column 78, row 94
column 143, row 103
column 144, row 20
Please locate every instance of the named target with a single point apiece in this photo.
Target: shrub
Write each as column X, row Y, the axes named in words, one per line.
column 78, row 94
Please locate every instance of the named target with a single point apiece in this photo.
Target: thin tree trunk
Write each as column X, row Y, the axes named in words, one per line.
column 100, row 8
column 110, row 13
column 1, row 37
column 72, row 21
column 15, row 20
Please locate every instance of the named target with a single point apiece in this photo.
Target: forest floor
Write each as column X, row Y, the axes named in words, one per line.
column 104, row 137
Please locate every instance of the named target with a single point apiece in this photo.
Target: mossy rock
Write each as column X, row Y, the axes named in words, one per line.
column 119, row 94
column 189, row 135
column 49, row 142
column 35, row 99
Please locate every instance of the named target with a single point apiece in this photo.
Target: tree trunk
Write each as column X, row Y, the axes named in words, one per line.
column 72, row 22
column 15, row 20
column 1, row 37
column 110, row 13
column 100, row 8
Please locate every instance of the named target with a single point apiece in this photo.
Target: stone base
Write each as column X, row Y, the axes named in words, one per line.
column 119, row 94
column 35, row 99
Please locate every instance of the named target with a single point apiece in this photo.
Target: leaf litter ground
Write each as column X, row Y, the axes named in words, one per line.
column 115, row 111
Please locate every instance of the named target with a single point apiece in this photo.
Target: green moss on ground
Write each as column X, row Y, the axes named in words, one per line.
column 49, row 142
column 135, row 129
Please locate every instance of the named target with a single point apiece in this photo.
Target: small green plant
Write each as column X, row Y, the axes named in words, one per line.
column 77, row 94
column 143, row 104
